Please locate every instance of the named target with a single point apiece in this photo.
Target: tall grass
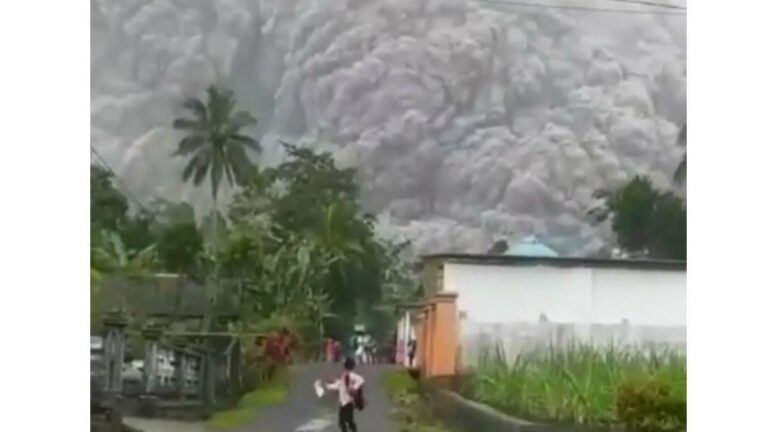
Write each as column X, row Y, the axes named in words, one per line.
column 574, row 383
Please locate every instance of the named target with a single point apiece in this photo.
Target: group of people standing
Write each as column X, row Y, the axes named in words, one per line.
column 361, row 347
column 364, row 348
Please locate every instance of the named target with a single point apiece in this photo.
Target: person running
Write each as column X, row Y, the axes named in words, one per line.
column 350, row 387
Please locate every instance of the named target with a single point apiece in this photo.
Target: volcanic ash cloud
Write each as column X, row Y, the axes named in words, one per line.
column 466, row 122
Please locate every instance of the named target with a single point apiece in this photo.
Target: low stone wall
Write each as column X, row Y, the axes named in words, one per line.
column 465, row 415
column 186, row 410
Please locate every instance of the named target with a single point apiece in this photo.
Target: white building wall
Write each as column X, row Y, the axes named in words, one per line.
column 498, row 294
column 523, row 307
column 401, row 341
column 644, row 297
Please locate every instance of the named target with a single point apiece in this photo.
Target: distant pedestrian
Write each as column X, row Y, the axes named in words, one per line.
column 373, row 351
column 330, row 350
column 287, row 345
column 337, row 351
column 411, row 352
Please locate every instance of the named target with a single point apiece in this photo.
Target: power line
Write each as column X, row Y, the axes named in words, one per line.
column 580, row 8
column 125, row 188
column 650, row 3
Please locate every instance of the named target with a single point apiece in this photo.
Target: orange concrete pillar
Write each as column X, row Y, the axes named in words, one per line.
column 426, row 351
column 444, row 338
column 432, row 341
column 418, row 331
column 441, row 336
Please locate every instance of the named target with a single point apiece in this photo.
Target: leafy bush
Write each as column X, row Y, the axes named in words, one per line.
column 647, row 404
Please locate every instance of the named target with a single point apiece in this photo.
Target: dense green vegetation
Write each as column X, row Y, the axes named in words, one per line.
column 294, row 240
column 645, row 220
column 269, row 394
column 585, row 385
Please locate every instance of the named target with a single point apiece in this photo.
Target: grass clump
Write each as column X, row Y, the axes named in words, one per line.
column 270, row 393
column 648, row 404
column 398, row 382
column 411, row 412
column 579, row 384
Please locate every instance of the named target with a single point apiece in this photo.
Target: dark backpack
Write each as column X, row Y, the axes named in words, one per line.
column 357, row 396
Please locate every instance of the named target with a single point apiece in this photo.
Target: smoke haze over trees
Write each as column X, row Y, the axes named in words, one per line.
column 466, row 121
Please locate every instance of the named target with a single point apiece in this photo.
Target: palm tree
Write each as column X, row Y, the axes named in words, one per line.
column 680, row 172
column 214, row 141
column 216, row 147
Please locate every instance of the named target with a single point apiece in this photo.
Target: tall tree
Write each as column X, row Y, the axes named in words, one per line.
column 214, row 140
column 306, row 211
column 645, row 220
column 308, row 182
column 179, row 246
column 139, row 230
column 215, row 144
column 682, row 140
column 109, row 207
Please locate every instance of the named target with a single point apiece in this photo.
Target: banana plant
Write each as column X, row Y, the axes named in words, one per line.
column 110, row 257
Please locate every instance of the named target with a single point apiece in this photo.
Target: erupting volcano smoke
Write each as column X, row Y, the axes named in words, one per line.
column 467, row 120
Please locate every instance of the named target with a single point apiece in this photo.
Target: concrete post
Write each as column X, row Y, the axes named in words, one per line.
column 179, row 372
column 208, row 377
column 445, row 336
column 420, row 329
column 425, row 352
column 407, row 337
column 114, row 352
column 433, row 333
column 151, row 337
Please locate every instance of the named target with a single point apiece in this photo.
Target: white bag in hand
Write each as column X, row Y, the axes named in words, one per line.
column 319, row 389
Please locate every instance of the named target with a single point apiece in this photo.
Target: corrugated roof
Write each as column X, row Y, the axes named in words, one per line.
column 514, row 260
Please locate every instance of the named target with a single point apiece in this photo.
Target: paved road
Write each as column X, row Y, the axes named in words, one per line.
column 304, row 412
column 156, row 425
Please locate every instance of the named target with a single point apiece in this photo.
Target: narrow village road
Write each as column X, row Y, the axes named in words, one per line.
column 302, row 410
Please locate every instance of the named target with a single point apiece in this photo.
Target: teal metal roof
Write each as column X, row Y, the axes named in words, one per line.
column 531, row 247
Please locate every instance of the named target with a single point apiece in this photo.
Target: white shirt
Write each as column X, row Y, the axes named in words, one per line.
column 355, row 382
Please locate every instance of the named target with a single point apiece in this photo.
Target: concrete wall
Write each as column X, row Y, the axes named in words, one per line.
column 523, row 307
